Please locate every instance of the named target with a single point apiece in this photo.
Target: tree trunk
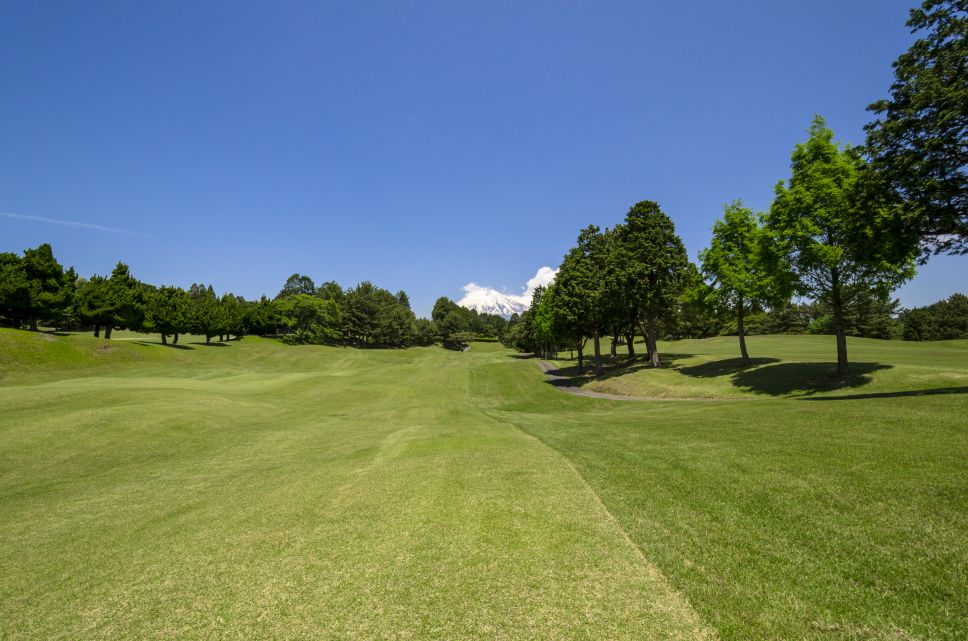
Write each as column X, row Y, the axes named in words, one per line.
column 598, row 355
column 107, row 331
column 581, row 358
column 614, row 344
column 839, row 326
column 651, row 343
column 33, row 324
column 629, row 340
column 208, row 339
column 97, row 331
column 648, row 343
column 742, row 335
column 164, row 339
column 174, row 339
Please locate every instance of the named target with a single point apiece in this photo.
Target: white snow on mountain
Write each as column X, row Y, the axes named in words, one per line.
column 488, row 300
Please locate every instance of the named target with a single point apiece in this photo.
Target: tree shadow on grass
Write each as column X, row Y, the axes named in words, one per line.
column 938, row 391
column 714, row 369
column 569, row 376
column 803, row 378
column 204, row 344
column 171, row 345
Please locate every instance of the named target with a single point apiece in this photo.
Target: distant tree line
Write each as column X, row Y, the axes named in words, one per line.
column 36, row 290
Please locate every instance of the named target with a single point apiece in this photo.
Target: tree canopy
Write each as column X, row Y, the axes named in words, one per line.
column 918, row 144
column 742, row 278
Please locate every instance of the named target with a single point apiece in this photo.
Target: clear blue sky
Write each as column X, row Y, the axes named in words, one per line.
column 420, row 145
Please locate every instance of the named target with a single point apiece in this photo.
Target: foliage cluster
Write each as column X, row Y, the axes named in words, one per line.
column 944, row 320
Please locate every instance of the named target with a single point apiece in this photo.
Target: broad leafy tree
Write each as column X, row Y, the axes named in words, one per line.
column 918, row 145
column 311, row 319
column 331, row 290
column 812, row 223
column 297, row 284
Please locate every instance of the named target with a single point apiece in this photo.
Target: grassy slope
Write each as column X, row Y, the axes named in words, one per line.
column 261, row 491
column 258, row 490
column 839, row 513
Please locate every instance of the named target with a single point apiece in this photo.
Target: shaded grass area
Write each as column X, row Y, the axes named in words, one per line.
column 782, row 366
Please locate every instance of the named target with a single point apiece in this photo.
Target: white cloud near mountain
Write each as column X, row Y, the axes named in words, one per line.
column 542, row 278
column 492, row 301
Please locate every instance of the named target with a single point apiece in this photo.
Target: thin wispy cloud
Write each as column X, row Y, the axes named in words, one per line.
column 72, row 223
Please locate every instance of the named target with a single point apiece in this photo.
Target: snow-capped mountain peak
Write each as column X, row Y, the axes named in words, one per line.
column 490, row 301
column 487, row 300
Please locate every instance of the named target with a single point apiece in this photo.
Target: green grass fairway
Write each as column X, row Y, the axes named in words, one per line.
column 255, row 490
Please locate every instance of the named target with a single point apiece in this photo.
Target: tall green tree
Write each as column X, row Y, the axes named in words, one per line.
column 14, row 289
column 454, row 329
column 297, row 284
column 93, row 306
column 263, row 317
column 656, row 269
column 205, row 311
column 232, row 316
column 168, row 312
column 126, row 301
column 580, row 290
column 741, row 280
column 547, row 326
column 50, row 288
column 360, row 313
column 918, row 144
column 812, row 223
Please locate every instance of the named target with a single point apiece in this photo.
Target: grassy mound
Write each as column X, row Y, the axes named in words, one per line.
column 782, row 366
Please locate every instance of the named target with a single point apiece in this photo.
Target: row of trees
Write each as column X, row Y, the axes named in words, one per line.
column 944, row 320
column 364, row 316
column 813, row 243
column 619, row 282
column 35, row 289
column 843, row 231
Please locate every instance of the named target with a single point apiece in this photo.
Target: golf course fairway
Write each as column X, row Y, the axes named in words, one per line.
column 253, row 490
